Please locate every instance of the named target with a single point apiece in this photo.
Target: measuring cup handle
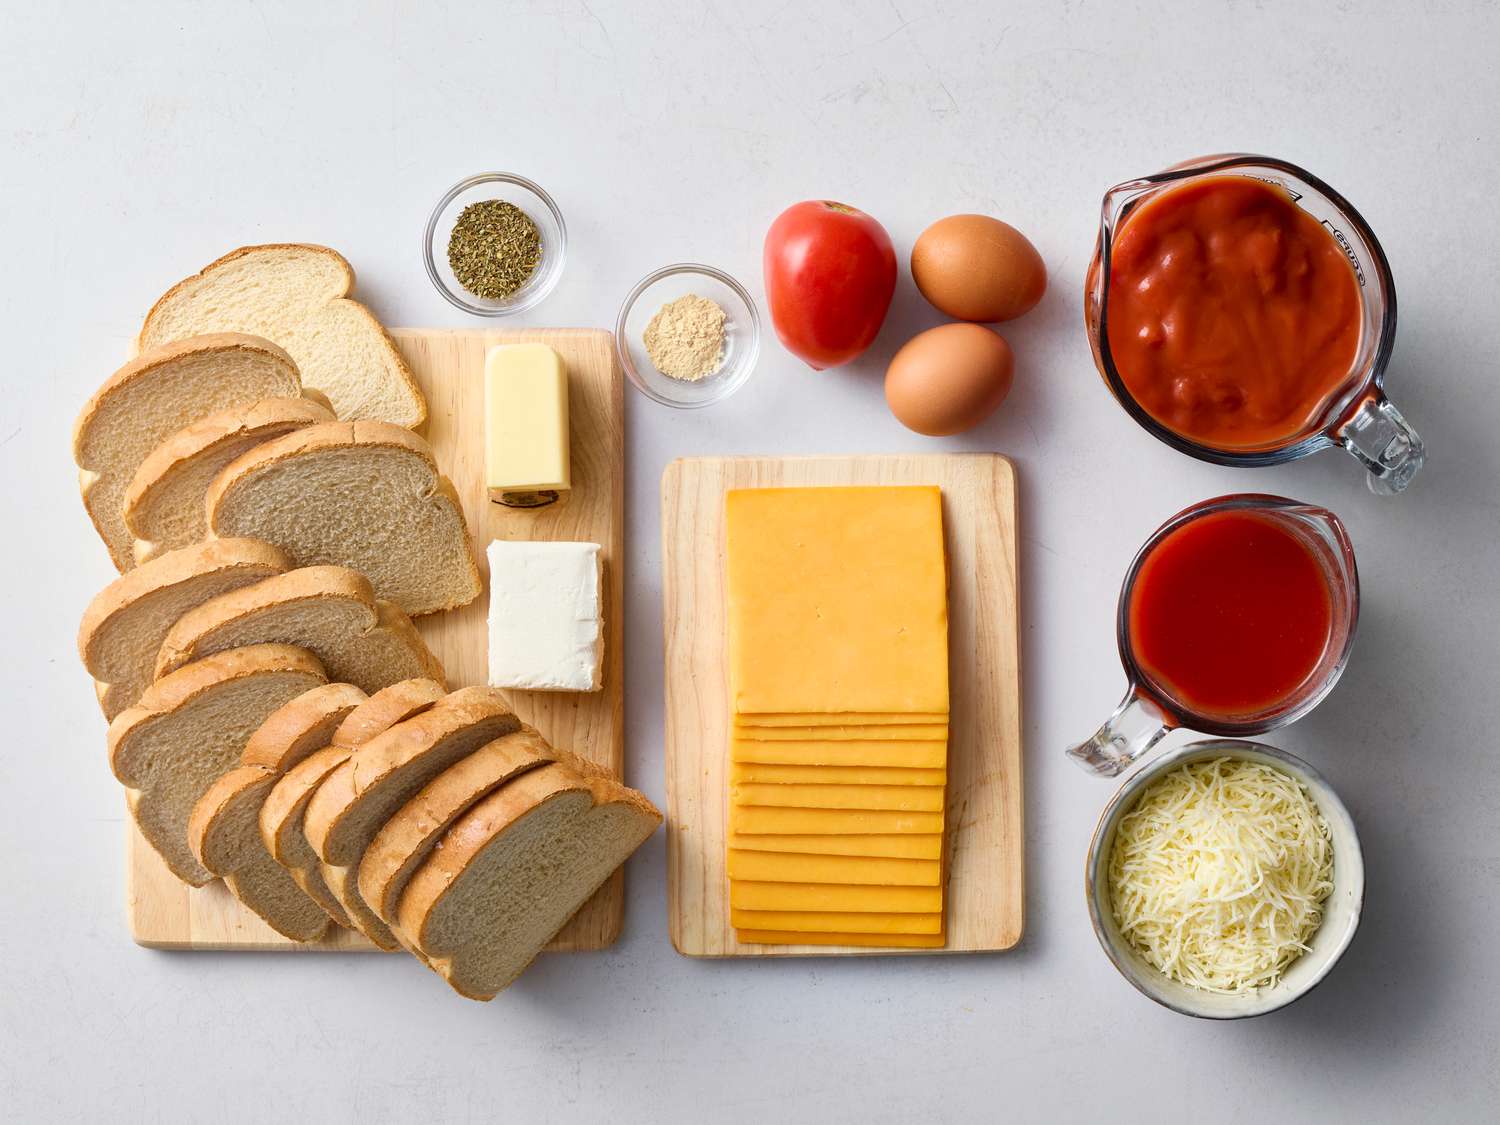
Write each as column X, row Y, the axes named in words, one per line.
column 1135, row 727
column 1381, row 440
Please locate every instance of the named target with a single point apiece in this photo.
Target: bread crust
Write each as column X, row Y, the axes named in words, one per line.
column 398, row 361
column 304, row 584
column 407, row 838
column 385, row 709
column 380, row 761
column 312, row 440
column 289, row 733
column 281, row 820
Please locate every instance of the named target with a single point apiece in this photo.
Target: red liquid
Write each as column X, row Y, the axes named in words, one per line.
column 1230, row 615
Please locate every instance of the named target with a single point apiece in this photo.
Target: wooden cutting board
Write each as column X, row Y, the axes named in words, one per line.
column 164, row 913
column 983, row 850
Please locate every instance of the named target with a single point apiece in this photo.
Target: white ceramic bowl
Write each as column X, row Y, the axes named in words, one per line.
column 1340, row 913
column 741, row 334
column 529, row 197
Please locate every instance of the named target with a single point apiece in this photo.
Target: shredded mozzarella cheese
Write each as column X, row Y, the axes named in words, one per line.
column 1219, row 872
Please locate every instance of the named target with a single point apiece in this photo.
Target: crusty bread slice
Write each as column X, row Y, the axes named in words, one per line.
column 513, row 869
column 365, row 495
column 297, row 295
column 152, row 397
column 224, row 832
column 301, row 727
column 164, row 501
column 282, row 817
column 123, row 627
column 408, row 836
column 282, row 836
column 190, row 728
column 329, row 610
column 356, row 799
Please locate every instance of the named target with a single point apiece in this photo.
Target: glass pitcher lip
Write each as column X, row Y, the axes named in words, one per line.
column 1338, row 412
column 1140, row 684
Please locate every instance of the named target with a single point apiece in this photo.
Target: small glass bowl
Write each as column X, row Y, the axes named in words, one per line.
column 529, row 197
column 741, row 334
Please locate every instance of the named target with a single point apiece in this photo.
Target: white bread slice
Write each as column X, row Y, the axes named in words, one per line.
column 404, row 841
column 123, row 627
column 190, row 728
column 365, row 495
column 513, row 869
column 356, row 799
column 282, row 817
column 224, row 832
column 163, row 506
column 152, row 397
column 297, row 295
column 329, row 610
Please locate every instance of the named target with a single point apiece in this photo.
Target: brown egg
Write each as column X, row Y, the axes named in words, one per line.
column 973, row 267
column 949, row 378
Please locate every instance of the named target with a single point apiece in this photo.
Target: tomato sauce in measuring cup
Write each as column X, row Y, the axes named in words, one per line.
column 1234, row 315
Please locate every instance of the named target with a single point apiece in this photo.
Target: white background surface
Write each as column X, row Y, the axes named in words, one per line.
column 138, row 141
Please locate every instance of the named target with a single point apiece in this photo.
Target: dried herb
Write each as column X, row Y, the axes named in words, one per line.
column 494, row 249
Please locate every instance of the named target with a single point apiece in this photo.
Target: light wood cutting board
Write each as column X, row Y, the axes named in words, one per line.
column 983, row 856
column 165, row 913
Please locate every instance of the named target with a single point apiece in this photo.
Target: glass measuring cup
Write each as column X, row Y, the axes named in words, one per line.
column 1152, row 707
column 1357, row 417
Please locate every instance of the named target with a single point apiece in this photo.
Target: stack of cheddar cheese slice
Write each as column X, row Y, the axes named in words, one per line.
column 838, row 668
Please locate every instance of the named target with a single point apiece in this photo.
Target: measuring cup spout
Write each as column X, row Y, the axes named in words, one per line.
column 1135, row 727
column 1381, row 440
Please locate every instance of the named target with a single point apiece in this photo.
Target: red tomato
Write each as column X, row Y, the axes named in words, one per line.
column 830, row 272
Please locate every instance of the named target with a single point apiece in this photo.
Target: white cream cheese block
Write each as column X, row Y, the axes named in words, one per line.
column 546, row 616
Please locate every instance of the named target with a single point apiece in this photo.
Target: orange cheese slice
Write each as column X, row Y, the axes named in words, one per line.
column 814, row 752
column 741, row 773
column 889, row 941
column 756, row 820
column 747, row 895
column 778, row 867
column 915, row 732
column 896, row 847
column 804, row 921
column 837, row 600
column 905, row 798
column 841, row 719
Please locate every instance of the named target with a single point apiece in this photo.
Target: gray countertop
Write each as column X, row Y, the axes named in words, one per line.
column 139, row 141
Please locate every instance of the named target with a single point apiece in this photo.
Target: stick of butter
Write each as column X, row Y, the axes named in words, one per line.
column 525, row 424
column 546, row 619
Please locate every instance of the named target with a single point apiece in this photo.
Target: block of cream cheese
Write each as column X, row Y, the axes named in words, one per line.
column 525, row 422
column 546, row 616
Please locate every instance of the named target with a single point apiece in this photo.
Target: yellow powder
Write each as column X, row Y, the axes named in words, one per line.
column 685, row 338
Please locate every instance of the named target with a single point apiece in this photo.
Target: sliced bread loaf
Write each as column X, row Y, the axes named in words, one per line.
column 123, row 628
column 365, row 495
column 297, row 295
column 190, row 728
column 356, row 799
column 405, row 840
column 282, row 816
column 513, row 869
column 224, row 832
column 330, row 610
column 164, row 501
column 152, row 397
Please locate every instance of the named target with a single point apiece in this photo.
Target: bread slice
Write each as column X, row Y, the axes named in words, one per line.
column 190, row 728
column 297, row 295
column 330, row 610
column 224, row 832
column 405, row 840
column 513, row 869
column 301, row 727
column 164, row 501
column 152, row 397
column 365, row 495
column 357, row 798
column 124, row 626
column 282, row 816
